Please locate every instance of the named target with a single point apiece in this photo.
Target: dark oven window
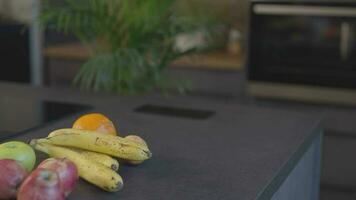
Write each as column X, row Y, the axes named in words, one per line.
column 302, row 43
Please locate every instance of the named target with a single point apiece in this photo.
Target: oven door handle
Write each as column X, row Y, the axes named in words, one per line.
column 303, row 10
column 344, row 40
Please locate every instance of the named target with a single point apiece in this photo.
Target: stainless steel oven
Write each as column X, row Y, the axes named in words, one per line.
column 303, row 50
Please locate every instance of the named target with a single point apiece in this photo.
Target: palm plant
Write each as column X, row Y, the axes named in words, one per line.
column 132, row 41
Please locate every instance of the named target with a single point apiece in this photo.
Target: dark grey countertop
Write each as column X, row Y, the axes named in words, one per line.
column 241, row 152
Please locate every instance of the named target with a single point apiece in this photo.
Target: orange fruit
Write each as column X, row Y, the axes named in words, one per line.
column 95, row 122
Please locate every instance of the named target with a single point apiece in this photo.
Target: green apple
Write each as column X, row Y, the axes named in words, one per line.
column 19, row 151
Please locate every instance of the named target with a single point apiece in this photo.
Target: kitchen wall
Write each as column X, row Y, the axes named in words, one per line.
column 233, row 12
column 18, row 10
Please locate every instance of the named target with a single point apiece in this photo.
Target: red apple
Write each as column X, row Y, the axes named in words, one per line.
column 66, row 170
column 12, row 175
column 42, row 184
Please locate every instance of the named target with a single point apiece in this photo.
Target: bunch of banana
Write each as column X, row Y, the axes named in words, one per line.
column 91, row 151
column 90, row 170
column 94, row 141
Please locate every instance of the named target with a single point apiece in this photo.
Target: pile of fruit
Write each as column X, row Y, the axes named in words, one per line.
column 91, row 149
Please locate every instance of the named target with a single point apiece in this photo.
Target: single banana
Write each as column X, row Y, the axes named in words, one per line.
column 89, row 170
column 103, row 159
column 139, row 140
column 93, row 141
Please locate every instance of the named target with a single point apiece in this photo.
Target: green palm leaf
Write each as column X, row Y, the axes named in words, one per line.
column 134, row 41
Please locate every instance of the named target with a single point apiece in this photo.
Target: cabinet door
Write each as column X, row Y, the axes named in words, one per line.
column 14, row 53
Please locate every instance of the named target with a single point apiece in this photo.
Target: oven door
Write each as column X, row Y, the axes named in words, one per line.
column 303, row 44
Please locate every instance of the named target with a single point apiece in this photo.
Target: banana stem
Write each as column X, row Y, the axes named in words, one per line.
column 38, row 145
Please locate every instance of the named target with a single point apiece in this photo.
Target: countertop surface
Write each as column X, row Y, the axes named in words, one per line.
column 240, row 152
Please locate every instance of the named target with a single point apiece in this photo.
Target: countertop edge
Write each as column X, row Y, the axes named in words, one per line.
column 281, row 176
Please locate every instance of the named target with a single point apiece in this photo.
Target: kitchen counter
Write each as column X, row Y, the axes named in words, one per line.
column 239, row 152
column 215, row 60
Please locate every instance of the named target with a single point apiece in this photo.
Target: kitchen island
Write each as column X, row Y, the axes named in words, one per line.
column 201, row 149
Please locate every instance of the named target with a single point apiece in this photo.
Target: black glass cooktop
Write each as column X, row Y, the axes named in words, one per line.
column 175, row 111
column 20, row 115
